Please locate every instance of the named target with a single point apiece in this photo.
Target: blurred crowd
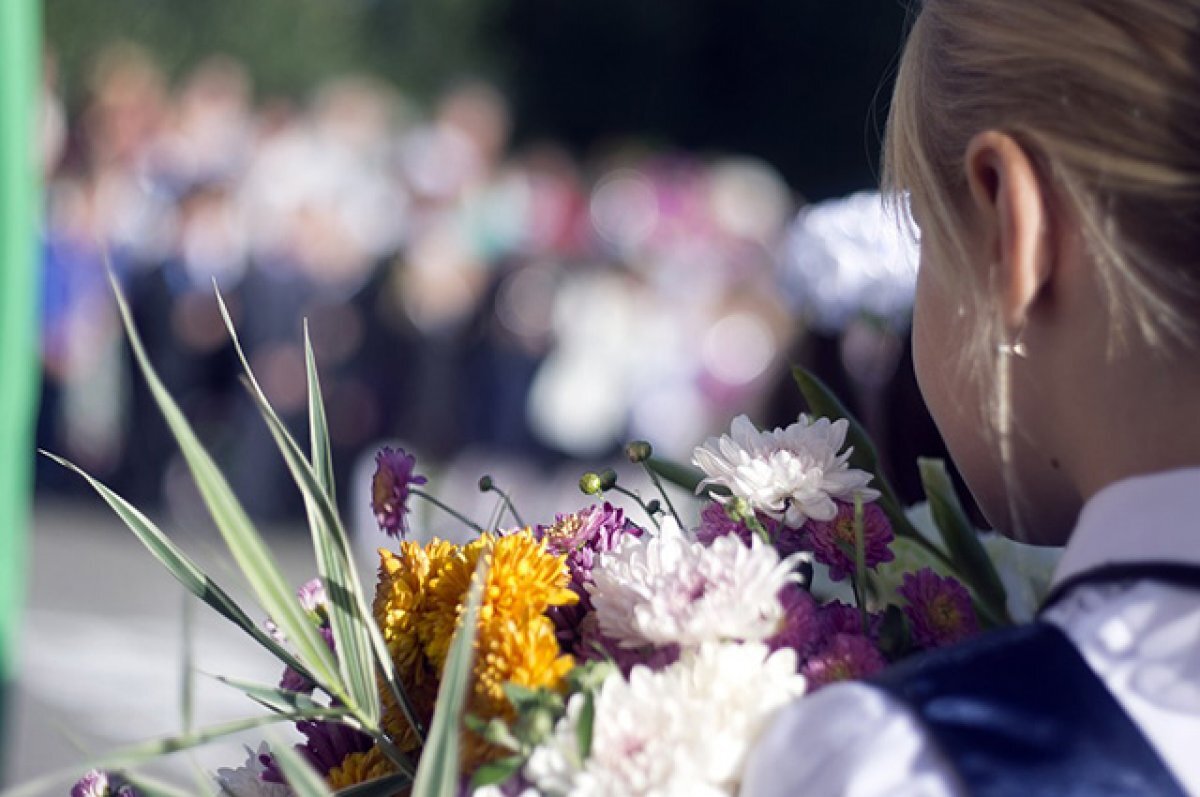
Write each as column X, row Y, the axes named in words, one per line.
column 462, row 293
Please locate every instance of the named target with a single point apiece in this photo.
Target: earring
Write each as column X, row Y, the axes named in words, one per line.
column 1016, row 349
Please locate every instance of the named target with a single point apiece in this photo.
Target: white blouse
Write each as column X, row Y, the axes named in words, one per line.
column 1142, row 639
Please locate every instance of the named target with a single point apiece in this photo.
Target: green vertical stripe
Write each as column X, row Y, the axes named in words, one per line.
column 20, row 46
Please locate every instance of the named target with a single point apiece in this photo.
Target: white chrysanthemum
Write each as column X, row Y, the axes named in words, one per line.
column 684, row 731
column 246, row 780
column 669, row 588
column 791, row 474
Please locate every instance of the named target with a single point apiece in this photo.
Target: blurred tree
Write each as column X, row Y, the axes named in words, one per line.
column 800, row 83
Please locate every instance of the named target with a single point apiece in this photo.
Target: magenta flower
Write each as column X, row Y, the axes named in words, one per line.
column 312, row 597
column 842, row 618
column 845, row 657
column 715, row 522
column 593, row 645
column 390, row 488
column 801, row 629
column 832, row 542
column 581, row 537
column 98, row 783
column 586, row 533
column 939, row 609
column 327, row 745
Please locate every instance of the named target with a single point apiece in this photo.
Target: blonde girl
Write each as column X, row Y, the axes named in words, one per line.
column 1050, row 150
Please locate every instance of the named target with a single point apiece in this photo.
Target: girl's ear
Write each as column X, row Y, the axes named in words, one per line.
column 1012, row 217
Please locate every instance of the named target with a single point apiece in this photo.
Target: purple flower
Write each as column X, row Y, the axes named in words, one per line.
column 293, row 681
column 593, row 645
column 832, row 542
column 390, row 488
column 939, row 609
column 715, row 522
column 584, row 534
column 801, row 629
column 845, row 657
column 328, row 743
column 98, row 783
column 312, row 597
column 581, row 537
column 842, row 618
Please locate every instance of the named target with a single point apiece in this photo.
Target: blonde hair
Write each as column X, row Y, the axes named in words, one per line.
column 1104, row 96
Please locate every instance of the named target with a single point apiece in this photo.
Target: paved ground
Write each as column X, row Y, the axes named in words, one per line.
column 103, row 640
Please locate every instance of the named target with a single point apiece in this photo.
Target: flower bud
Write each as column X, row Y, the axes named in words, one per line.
column 608, row 479
column 638, row 451
column 590, row 484
column 485, row 483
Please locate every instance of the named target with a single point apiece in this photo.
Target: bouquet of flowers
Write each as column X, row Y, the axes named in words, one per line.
column 592, row 654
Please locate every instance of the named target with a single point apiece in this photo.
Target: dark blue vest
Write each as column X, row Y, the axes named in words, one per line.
column 1018, row 713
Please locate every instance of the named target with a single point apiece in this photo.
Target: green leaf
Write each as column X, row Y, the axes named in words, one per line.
column 276, row 699
column 496, row 771
column 347, row 614
column 586, row 726
column 822, row 403
column 187, row 658
column 183, row 568
column 318, row 427
column 380, row 787
column 244, row 542
column 684, row 476
column 438, row 770
column 967, row 553
column 148, row 751
column 153, row 788
column 303, row 780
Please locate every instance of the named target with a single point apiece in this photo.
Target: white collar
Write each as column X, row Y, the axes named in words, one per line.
column 1141, row 520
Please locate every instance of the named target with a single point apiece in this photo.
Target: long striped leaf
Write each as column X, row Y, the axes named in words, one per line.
column 303, row 780
column 182, row 567
column 349, row 623
column 318, row 427
column 148, row 751
column 323, row 465
column 438, row 772
column 147, row 787
column 280, row 700
column 244, row 542
column 380, row 787
column 962, row 541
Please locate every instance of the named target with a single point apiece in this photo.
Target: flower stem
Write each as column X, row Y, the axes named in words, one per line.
column 631, row 494
column 512, row 510
column 663, row 492
column 860, row 561
column 459, row 516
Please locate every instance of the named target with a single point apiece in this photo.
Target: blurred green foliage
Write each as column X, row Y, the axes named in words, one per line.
column 289, row 45
column 800, row 83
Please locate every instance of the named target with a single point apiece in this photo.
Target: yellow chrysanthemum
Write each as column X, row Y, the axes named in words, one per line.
column 419, row 605
column 507, row 651
column 398, row 598
column 523, row 580
column 359, row 768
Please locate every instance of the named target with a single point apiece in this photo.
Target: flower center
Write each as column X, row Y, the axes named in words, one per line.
column 944, row 614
